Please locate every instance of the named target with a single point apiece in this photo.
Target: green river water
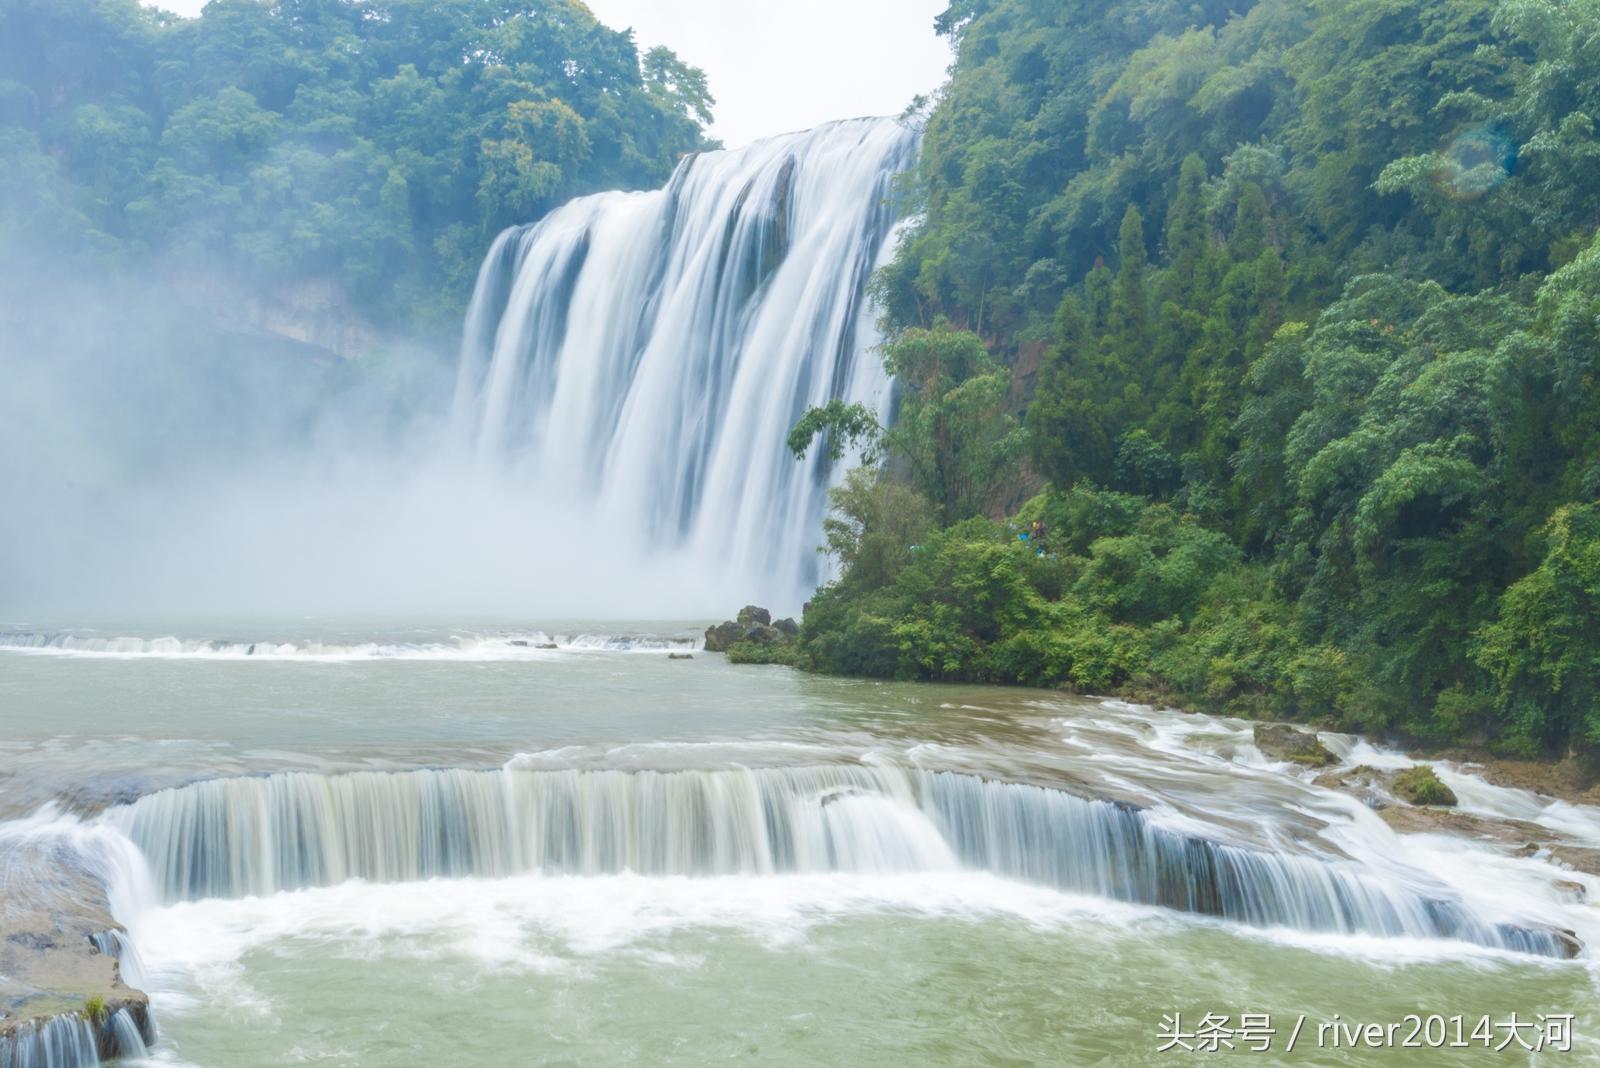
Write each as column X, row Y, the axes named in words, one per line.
column 925, row 967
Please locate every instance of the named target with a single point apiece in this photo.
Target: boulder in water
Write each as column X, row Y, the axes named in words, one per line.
column 1421, row 786
column 752, row 638
column 680, row 656
column 752, row 615
column 1280, row 741
column 1572, row 890
column 1365, row 782
column 719, row 637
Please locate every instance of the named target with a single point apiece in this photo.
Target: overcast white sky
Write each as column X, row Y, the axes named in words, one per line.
column 781, row 65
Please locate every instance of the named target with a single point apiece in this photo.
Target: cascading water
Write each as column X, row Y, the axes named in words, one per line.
column 636, row 359
column 255, row 836
column 61, row 1042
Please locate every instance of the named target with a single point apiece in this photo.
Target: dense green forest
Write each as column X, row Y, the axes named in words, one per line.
column 1283, row 318
column 379, row 144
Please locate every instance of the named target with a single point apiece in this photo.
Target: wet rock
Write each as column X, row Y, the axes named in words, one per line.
column 53, row 972
column 752, row 638
column 1571, row 889
column 107, row 790
column 547, row 645
column 751, row 614
column 1575, row 778
column 520, row 643
column 1523, row 839
column 1421, row 786
column 719, row 637
column 680, row 656
column 1366, row 783
column 1569, row 942
column 761, row 634
column 1280, row 741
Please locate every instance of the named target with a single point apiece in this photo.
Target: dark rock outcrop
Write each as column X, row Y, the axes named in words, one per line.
column 753, row 638
column 752, row 615
column 1280, row 741
column 719, row 637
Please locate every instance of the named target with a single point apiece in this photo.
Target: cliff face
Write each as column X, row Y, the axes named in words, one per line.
column 314, row 311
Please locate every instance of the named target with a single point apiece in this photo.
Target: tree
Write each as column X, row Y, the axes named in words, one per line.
column 1543, row 648
column 953, row 430
column 376, row 145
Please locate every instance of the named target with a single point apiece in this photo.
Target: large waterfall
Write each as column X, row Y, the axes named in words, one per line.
column 255, row 836
column 635, row 360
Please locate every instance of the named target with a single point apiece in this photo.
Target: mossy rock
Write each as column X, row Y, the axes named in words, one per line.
column 1421, row 786
column 1279, row 741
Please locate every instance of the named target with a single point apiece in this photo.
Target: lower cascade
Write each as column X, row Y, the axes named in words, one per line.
column 255, row 836
column 72, row 1040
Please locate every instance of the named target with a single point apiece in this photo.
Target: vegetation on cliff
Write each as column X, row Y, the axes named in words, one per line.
column 1299, row 309
column 377, row 143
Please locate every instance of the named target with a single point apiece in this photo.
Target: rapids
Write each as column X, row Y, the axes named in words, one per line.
column 630, row 837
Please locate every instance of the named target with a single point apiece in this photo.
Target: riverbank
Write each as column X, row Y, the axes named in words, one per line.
column 750, row 639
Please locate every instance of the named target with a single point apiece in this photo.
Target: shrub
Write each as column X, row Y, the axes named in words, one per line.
column 1421, row 786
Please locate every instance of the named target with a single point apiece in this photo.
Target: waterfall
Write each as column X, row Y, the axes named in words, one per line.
column 246, row 836
column 66, row 1041
column 635, row 360
column 128, row 1035
column 72, row 1040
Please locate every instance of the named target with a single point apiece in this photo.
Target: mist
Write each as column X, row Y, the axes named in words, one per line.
column 158, row 466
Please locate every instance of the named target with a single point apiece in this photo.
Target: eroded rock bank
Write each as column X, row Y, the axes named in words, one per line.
column 63, row 999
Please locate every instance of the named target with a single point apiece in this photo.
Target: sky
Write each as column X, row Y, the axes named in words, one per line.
column 782, row 65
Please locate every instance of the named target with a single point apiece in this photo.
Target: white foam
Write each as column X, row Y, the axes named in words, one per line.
column 507, row 647
column 550, row 924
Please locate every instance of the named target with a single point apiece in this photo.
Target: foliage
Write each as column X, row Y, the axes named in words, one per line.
column 874, row 527
column 844, row 427
column 1420, row 785
column 1543, row 648
column 1313, row 292
column 376, row 143
column 952, row 434
column 778, row 652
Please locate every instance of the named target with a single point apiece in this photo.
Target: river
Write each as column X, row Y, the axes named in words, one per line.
column 368, row 843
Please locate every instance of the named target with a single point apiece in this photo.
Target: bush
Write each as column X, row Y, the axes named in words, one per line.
column 786, row 652
column 1421, row 786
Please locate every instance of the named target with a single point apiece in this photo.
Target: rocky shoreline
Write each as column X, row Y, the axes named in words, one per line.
column 63, row 1000
column 753, row 637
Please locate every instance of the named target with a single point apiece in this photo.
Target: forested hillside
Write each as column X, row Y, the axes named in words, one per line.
column 1293, row 311
column 377, row 144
